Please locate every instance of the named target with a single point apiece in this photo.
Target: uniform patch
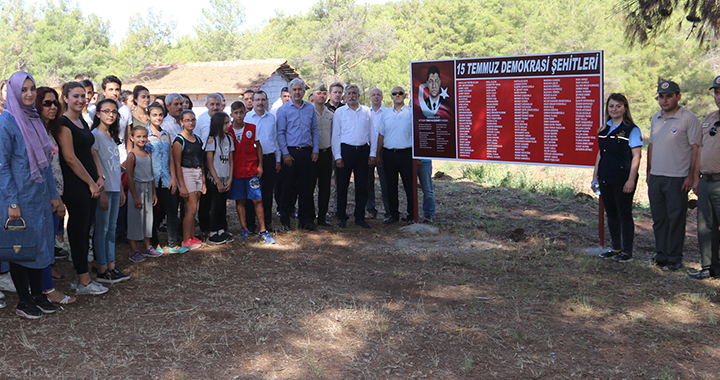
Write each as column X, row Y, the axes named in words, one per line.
column 665, row 85
column 248, row 134
column 673, row 130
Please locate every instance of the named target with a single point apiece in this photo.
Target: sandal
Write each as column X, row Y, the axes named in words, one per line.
column 67, row 300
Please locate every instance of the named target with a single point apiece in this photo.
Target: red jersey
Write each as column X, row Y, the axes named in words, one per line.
column 245, row 157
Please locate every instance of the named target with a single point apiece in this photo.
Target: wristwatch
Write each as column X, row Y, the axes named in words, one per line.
column 13, row 206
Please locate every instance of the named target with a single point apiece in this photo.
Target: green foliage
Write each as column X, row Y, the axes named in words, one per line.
column 147, row 41
column 219, row 36
column 16, row 27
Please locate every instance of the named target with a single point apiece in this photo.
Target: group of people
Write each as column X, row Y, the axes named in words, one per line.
column 127, row 162
column 683, row 155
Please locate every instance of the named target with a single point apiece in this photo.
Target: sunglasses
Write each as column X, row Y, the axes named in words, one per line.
column 713, row 130
column 401, row 93
column 48, row 103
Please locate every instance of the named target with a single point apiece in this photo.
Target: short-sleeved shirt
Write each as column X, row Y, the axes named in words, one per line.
column 109, row 157
column 172, row 127
column 710, row 155
column 396, row 128
column 192, row 153
column 672, row 139
column 221, row 159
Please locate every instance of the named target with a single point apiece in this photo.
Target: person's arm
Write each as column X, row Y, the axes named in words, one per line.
column 68, row 152
column 315, row 129
column 371, row 139
column 629, row 186
column 177, row 156
column 282, row 136
column 8, row 188
column 258, row 146
column 100, row 181
column 129, row 170
column 380, row 143
column 691, row 180
column 204, row 186
column 173, row 176
column 211, row 165
column 232, row 168
column 649, row 162
column 335, row 140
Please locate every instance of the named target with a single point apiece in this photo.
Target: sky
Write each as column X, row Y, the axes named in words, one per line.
column 188, row 14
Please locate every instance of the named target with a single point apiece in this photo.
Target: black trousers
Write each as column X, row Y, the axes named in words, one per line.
column 21, row 276
column 81, row 211
column 398, row 162
column 355, row 161
column 167, row 206
column 618, row 208
column 321, row 176
column 218, row 207
column 297, row 186
column 267, row 186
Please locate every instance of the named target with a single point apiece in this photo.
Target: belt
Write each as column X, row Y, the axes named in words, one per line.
column 324, row 150
column 398, row 150
column 711, row 176
column 268, row 155
column 300, row 147
column 355, row 146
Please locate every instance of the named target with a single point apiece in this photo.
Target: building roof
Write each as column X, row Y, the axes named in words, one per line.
column 226, row 77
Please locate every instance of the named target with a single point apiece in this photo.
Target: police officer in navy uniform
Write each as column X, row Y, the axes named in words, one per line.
column 616, row 170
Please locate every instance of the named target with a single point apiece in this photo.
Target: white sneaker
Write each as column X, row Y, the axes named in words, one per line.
column 2, row 295
column 6, row 284
column 93, row 288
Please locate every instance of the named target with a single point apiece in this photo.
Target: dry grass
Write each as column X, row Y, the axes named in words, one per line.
column 473, row 302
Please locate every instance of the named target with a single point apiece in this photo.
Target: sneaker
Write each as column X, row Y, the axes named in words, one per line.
column 243, row 234
column 195, row 240
column 609, row 254
column 119, row 273
column 190, row 244
column 44, row 304
column 151, row 252
column 136, row 257
column 160, row 250
column 265, row 236
column 74, row 284
column 93, row 288
column 29, row 311
column 177, row 249
column 2, row 304
column 108, row 277
column 2, row 295
column 217, row 239
column 65, row 246
column 622, row 258
column 6, row 284
column 60, row 254
column 228, row 238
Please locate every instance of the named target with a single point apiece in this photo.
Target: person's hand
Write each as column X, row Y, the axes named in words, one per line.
column 339, row 163
column 14, row 213
column 184, row 192
column 100, row 183
column 154, row 200
column 104, row 202
column 629, row 187
column 137, row 202
column 314, row 157
column 371, row 161
column 94, row 190
column 687, row 184
column 54, row 204
column 123, row 198
column 288, row 159
column 278, row 166
column 696, row 182
column 378, row 161
column 260, row 171
column 204, row 188
column 60, row 213
column 172, row 187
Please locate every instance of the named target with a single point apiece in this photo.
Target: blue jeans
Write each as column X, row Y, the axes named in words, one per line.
column 105, row 226
column 425, row 177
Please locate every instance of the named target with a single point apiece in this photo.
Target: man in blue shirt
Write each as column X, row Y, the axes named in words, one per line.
column 298, row 137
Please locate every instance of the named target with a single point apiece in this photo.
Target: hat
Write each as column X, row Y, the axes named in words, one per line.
column 668, row 87
column 715, row 83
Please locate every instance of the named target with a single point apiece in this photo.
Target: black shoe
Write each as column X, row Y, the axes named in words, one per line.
column 411, row 221
column 286, row 228
column 656, row 262
column 323, row 223
column 702, row 275
column 609, row 254
column 217, row 239
column 672, row 267
column 29, row 311
column 44, row 304
column 342, row 223
column 390, row 220
column 362, row 224
column 108, row 277
column 252, row 230
column 622, row 258
column 310, row 226
column 119, row 273
column 60, row 254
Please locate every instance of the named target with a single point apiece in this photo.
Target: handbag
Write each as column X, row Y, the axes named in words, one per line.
column 18, row 243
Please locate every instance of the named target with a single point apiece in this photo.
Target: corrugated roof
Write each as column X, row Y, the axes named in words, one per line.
column 226, row 77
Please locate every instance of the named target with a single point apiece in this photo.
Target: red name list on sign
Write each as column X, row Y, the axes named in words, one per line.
column 529, row 109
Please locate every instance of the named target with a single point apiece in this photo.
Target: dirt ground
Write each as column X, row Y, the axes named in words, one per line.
column 503, row 289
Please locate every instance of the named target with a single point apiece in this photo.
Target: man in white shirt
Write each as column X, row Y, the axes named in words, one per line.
column 353, row 150
column 395, row 144
column 213, row 103
column 171, row 123
column 284, row 98
column 376, row 110
column 266, row 131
